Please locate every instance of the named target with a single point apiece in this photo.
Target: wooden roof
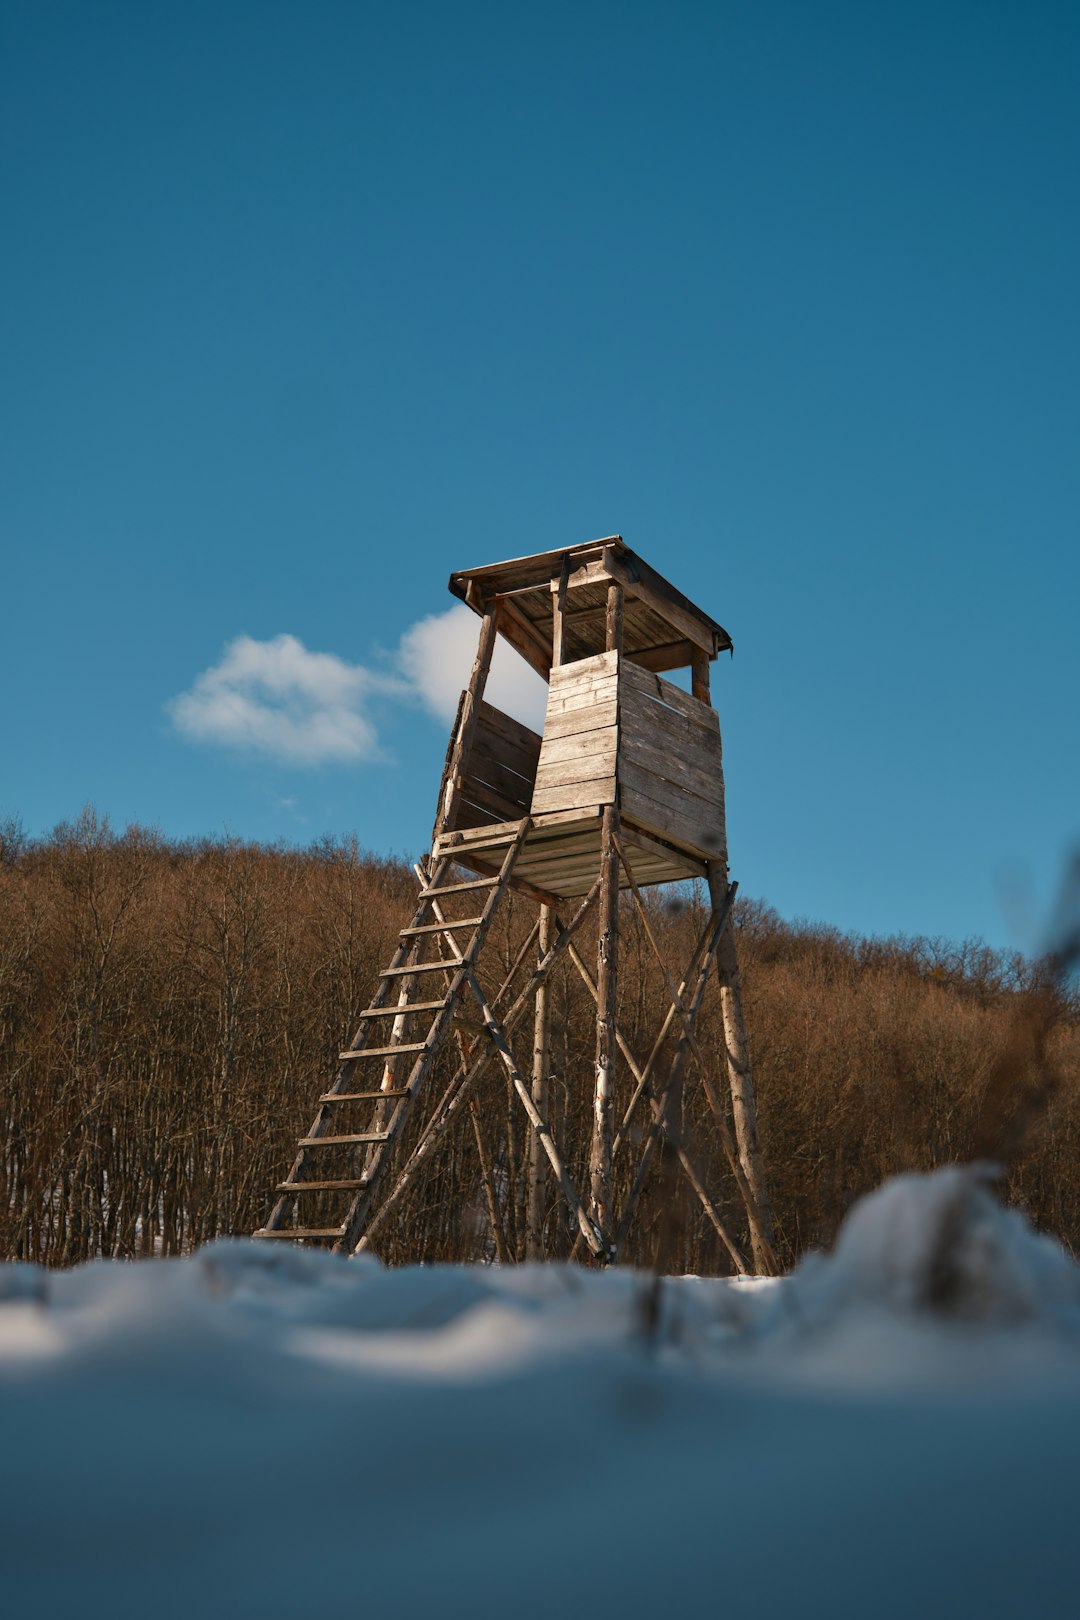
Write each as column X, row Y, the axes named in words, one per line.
column 662, row 628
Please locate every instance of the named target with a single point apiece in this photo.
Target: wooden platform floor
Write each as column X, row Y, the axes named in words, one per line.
column 561, row 855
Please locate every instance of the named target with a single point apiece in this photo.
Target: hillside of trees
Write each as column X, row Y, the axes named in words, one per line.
column 170, row 1011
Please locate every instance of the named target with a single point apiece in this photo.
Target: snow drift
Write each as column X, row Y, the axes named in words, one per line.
column 891, row 1431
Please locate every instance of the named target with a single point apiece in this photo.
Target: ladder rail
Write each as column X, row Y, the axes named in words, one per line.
column 380, row 1155
column 322, row 1121
column 393, row 1102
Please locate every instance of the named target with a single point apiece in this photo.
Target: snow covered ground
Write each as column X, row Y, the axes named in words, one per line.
column 892, row 1431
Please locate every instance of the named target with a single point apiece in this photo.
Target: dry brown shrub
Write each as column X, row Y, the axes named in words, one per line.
column 169, row 1012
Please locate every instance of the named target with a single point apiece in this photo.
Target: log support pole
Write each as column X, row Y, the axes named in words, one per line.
column 537, row 1164
column 465, row 729
column 699, row 677
column 607, row 954
column 741, row 1081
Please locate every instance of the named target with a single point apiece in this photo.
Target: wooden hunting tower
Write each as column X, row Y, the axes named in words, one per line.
column 624, row 789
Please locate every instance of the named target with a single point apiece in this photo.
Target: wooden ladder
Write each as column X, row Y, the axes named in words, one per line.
column 361, row 1117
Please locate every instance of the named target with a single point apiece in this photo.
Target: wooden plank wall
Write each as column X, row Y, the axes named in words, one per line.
column 670, row 776
column 581, row 736
column 498, row 775
column 611, row 728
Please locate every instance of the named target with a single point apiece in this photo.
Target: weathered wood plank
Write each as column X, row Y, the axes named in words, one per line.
column 587, row 718
column 510, row 783
column 580, row 742
column 469, row 816
column 552, row 847
column 557, row 818
column 668, row 693
column 505, row 831
column 518, row 573
column 474, row 797
column 451, row 846
column 662, row 822
column 516, row 774
column 555, row 873
column 635, row 775
column 579, row 795
column 512, row 731
column 575, row 861
column 704, row 839
column 670, row 765
column 605, row 663
column 580, row 768
column 493, row 784
column 670, row 655
column 604, row 689
column 635, row 841
column 641, row 720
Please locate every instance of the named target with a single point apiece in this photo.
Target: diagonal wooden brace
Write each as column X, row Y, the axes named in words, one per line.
column 497, row 1035
column 688, row 1043
column 642, row 1076
column 468, row 1075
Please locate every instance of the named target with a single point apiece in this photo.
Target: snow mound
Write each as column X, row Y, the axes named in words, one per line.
column 942, row 1246
column 261, row 1430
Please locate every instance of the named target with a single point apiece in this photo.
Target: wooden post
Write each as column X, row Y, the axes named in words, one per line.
column 741, row 1081
column 607, row 950
column 699, row 677
column 558, row 614
column 468, row 714
column 537, row 1171
column 537, row 1158
column 488, row 1180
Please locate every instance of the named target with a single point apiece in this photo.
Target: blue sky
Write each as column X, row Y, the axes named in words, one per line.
column 306, row 305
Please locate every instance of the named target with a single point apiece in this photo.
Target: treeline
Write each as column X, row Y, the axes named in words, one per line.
column 169, row 1013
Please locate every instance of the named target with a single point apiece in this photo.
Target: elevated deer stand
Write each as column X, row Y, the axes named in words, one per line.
column 624, row 789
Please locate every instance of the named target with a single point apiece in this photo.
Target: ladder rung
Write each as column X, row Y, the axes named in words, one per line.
column 459, row 888
column 461, row 852
column 419, row 967
column 303, row 1232
column 381, row 1051
column 319, row 1186
column 336, row 1141
column 410, row 1006
column 360, row 1096
column 443, row 927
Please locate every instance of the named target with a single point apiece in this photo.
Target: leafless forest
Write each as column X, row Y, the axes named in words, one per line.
column 169, row 1012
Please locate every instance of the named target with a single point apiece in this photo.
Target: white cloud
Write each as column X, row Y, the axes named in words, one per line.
column 277, row 698
column 308, row 708
column 436, row 655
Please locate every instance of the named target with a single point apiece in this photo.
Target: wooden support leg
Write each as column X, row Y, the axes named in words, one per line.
column 465, row 728
column 760, row 1237
column 606, row 986
column 703, row 956
column 607, row 956
column 497, row 1034
column 489, row 1184
column 741, row 1081
column 537, row 1163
